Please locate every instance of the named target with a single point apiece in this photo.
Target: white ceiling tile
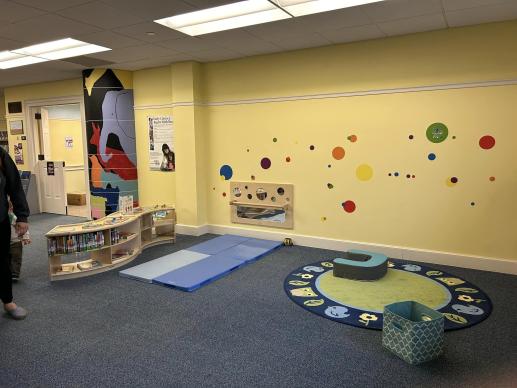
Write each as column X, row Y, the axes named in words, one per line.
column 9, row 44
column 110, row 39
column 134, row 53
column 348, row 17
column 100, row 15
column 353, row 34
column 41, row 72
column 148, row 12
column 300, row 42
column 215, row 55
column 286, row 27
column 51, row 5
column 453, row 5
column 44, row 28
column 139, row 31
column 12, row 12
column 188, row 44
column 237, row 40
column 414, row 24
column 478, row 15
column 399, row 9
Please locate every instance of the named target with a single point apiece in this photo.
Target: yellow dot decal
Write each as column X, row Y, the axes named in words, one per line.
column 364, row 172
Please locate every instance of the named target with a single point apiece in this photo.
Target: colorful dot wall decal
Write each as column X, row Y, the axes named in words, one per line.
column 437, row 132
column 288, row 159
column 396, row 174
column 330, row 185
column 491, row 179
column 486, row 142
column 226, row 172
column 275, row 140
column 338, row 153
column 472, row 203
column 431, row 156
column 451, row 182
column 454, row 179
column 265, row 163
column 364, row 172
column 253, row 177
column 352, row 138
column 224, row 194
column 330, row 165
column 311, row 148
column 348, row 206
column 411, row 137
column 323, row 219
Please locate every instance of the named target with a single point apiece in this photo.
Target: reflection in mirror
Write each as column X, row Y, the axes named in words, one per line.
column 237, row 192
column 250, row 196
column 270, row 215
column 273, row 199
column 280, row 191
column 261, row 194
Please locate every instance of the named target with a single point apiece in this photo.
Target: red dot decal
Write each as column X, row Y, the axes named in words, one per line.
column 487, row 142
column 348, row 206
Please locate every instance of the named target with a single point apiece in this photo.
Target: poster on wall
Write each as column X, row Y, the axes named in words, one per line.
column 18, row 153
column 16, row 127
column 69, row 142
column 161, row 146
column 50, row 168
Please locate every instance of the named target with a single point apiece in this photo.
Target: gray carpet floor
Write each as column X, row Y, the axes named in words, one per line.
column 240, row 331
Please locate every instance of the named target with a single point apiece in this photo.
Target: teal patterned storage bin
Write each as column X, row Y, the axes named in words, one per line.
column 413, row 331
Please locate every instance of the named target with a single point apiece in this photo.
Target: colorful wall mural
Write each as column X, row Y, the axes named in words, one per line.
column 110, row 133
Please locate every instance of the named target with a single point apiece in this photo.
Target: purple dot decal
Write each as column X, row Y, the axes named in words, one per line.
column 265, row 163
column 454, row 179
column 431, row 156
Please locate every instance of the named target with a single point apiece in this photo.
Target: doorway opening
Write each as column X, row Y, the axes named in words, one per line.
column 59, row 157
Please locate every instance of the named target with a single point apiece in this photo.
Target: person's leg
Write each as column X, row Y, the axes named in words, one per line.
column 6, row 290
column 6, row 286
column 16, row 259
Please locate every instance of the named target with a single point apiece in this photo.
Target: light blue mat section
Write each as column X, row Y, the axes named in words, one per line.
column 250, row 250
column 195, row 275
column 146, row 272
column 218, row 244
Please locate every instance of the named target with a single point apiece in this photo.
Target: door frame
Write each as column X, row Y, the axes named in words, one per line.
column 28, row 106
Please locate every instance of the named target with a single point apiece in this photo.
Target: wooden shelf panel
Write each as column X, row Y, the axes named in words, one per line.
column 259, row 205
column 124, row 241
column 81, row 252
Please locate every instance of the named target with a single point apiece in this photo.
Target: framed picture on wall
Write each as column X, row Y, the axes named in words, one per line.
column 16, row 127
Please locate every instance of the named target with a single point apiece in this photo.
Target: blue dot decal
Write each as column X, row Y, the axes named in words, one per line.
column 226, row 172
column 431, row 156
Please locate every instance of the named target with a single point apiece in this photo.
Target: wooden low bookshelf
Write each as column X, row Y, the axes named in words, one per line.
column 88, row 248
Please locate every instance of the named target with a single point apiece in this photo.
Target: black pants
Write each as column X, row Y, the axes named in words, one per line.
column 6, row 286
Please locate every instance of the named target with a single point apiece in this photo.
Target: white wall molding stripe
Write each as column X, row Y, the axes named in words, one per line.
column 372, row 92
column 426, row 256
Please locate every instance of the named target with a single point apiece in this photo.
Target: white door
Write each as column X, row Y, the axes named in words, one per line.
column 52, row 179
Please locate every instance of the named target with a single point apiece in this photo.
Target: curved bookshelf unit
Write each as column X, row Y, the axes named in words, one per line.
column 88, row 248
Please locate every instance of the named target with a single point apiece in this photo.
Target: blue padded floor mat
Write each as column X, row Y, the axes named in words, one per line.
column 193, row 276
column 218, row 244
column 192, row 268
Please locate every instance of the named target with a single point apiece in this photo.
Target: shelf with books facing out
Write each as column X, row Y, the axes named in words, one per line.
column 84, row 249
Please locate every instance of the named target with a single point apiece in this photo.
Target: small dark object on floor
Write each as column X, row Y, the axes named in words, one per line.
column 288, row 242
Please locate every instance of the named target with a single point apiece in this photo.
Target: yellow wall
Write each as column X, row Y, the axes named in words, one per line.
column 26, row 93
column 152, row 88
column 59, row 129
column 420, row 213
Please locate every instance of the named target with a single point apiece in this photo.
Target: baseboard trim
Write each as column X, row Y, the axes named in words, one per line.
column 492, row 264
column 192, row 230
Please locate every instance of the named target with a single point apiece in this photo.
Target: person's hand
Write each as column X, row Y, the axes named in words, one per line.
column 21, row 228
column 26, row 241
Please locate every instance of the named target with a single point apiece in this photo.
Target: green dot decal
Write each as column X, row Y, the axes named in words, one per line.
column 437, row 132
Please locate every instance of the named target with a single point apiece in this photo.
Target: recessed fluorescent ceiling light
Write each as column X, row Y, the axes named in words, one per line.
column 225, row 17
column 58, row 49
column 307, row 7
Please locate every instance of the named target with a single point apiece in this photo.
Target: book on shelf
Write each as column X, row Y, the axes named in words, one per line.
column 75, row 243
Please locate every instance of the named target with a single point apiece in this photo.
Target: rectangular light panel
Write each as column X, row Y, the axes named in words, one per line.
column 225, row 17
column 49, row 51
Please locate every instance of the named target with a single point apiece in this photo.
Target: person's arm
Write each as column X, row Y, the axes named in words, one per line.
column 14, row 188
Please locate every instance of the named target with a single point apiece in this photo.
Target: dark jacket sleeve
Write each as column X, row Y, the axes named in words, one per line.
column 14, row 187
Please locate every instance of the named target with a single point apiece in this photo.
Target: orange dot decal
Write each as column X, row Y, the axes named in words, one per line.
column 491, row 179
column 352, row 138
column 338, row 153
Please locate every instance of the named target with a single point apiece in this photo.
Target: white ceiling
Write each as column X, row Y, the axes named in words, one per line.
column 123, row 26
